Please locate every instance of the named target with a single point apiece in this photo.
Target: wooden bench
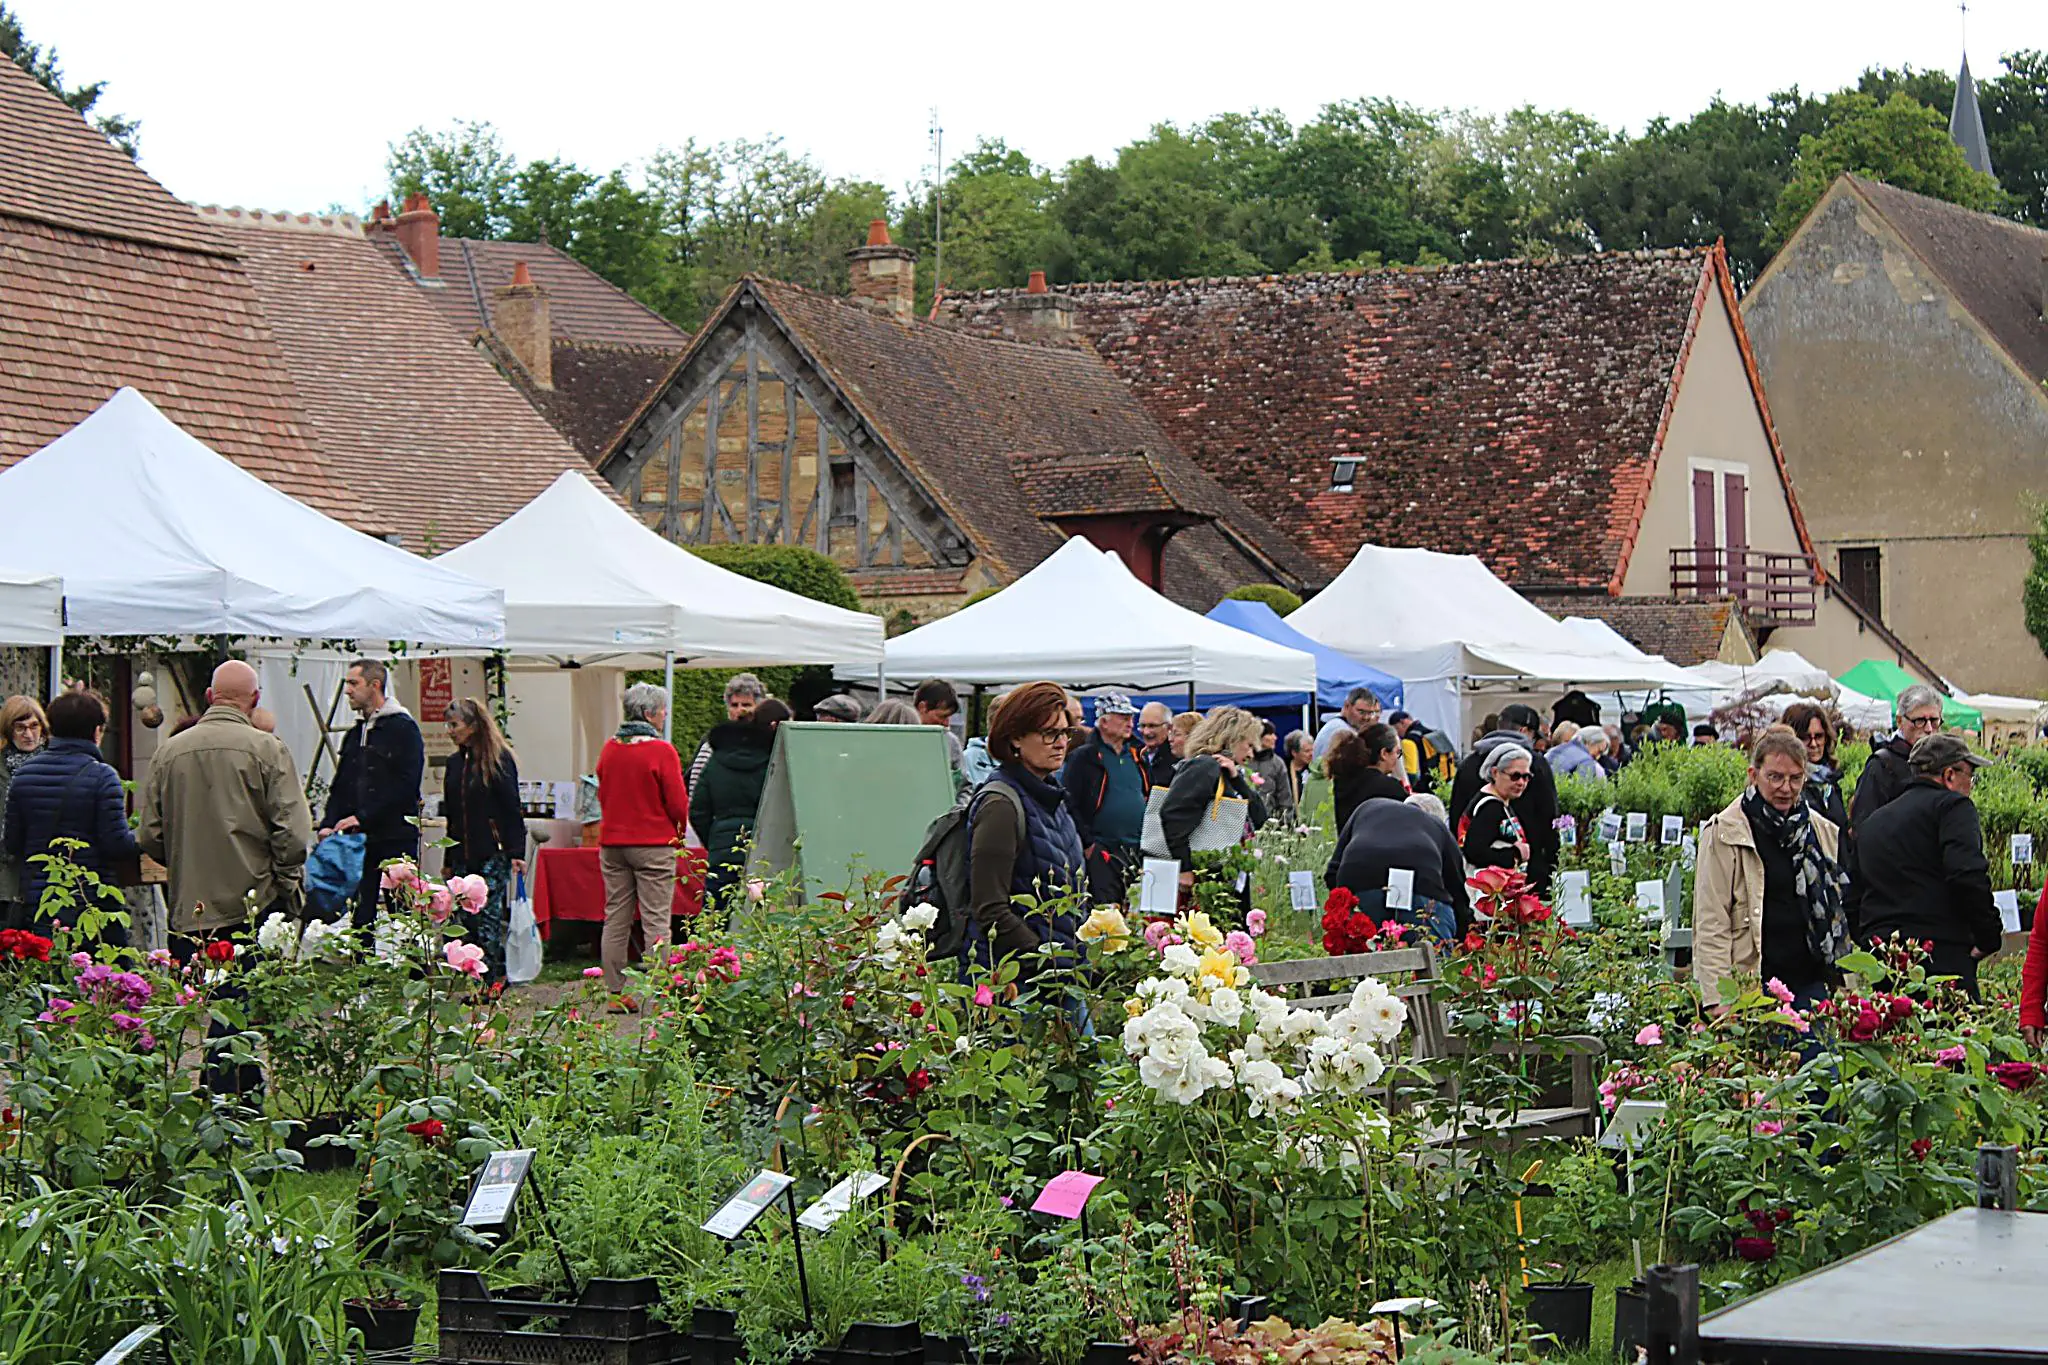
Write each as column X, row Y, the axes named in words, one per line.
column 1433, row 1040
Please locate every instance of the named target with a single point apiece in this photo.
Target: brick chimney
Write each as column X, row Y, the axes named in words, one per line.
column 884, row 275
column 519, row 316
column 380, row 219
column 1038, row 309
column 419, row 232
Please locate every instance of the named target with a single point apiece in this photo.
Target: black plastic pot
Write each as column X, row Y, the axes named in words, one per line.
column 1562, row 1313
column 1631, row 1320
column 1107, row 1353
column 714, row 1336
column 947, row 1350
column 383, row 1329
column 881, row 1343
column 326, row 1156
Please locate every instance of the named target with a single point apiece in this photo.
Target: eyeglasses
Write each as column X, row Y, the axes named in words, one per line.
column 1923, row 722
column 1514, row 777
column 1054, row 736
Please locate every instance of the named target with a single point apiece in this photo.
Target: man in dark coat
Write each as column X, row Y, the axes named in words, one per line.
column 1536, row 807
column 1917, row 869
column 1107, row 787
column 1890, row 770
column 1155, row 732
column 377, row 783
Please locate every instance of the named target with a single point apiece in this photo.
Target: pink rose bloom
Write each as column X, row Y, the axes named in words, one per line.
column 1256, row 922
column 440, row 905
column 1769, row 1128
column 473, row 891
column 1239, row 942
column 467, row 958
column 1793, row 1019
column 397, row 874
column 593, row 972
column 1952, row 1056
column 756, row 888
column 1155, row 935
column 80, row 961
column 983, row 996
column 1779, row 991
column 1651, row 1036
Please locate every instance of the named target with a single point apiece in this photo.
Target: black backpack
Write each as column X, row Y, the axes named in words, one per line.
column 940, row 876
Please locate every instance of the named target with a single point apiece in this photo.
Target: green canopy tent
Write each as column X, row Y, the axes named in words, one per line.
column 1884, row 680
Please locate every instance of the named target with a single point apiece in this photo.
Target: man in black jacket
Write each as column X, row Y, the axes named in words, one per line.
column 1536, row 807
column 377, row 783
column 1890, row 770
column 1155, row 733
column 1106, row 789
column 1917, row 868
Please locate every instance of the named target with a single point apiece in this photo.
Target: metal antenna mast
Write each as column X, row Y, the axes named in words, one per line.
column 938, row 206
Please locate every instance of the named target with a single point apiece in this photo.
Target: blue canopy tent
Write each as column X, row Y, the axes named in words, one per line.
column 1336, row 674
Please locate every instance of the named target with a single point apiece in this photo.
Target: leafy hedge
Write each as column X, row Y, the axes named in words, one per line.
column 1272, row 594
column 700, row 692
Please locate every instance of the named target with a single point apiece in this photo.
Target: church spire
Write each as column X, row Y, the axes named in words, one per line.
column 1966, row 124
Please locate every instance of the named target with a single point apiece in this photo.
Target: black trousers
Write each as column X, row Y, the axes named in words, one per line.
column 368, row 891
column 1111, row 870
column 1953, row 959
column 222, row 1075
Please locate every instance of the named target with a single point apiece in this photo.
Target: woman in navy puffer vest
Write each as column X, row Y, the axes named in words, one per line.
column 67, row 792
column 1023, row 841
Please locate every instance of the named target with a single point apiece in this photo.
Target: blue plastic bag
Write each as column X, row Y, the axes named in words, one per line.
column 334, row 870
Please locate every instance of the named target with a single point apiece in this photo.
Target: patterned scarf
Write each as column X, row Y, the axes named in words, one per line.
column 1816, row 878
column 637, row 729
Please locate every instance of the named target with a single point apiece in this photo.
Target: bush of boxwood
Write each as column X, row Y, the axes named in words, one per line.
column 1272, row 594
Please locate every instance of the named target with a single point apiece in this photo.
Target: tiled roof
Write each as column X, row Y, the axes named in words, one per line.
column 1509, row 409
column 1686, row 633
column 961, row 409
column 597, row 388
column 56, row 169
column 1991, row 264
column 439, row 446
column 1113, row 483
column 584, row 306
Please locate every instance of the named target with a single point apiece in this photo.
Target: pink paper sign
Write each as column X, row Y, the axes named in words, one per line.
column 1066, row 1193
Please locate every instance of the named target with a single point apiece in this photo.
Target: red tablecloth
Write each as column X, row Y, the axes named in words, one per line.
column 569, row 884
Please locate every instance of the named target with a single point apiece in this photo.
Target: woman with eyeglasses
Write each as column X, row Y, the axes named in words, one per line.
column 1491, row 835
column 22, row 729
column 1890, row 770
column 1823, row 775
column 1027, row 875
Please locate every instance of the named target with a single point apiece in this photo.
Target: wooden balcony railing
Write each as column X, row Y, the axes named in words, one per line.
column 1773, row 589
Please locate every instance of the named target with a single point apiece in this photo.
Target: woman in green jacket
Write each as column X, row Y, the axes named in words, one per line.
column 728, row 793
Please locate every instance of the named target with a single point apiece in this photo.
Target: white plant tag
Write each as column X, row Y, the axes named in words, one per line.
column 1617, row 858
column 1301, row 890
column 2008, row 903
column 1638, row 826
column 2022, row 849
column 1159, row 888
column 1673, row 830
column 1650, row 898
column 1575, row 897
column 1400, row 888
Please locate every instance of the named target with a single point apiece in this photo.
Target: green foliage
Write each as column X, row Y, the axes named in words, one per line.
column 2034, row 589
column 1680, row 779
column 41, row 63
column 982, row 596
column 1272, row 594
column 789, row 567
column 1901, row 142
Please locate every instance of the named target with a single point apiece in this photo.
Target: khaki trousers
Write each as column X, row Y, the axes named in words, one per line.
column 642, row 878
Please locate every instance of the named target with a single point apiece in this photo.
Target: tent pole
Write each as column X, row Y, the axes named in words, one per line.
column 881, row 682
column 1191, row 696
column 1308, row 715
column 669, row 681
column 56, row 668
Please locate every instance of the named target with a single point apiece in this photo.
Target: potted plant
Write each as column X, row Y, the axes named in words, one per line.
column 1578, row 1224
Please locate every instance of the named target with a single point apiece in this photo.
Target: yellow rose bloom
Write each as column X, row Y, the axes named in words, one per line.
column 1202, row 933
column 1107, row 922
column 1223, row 967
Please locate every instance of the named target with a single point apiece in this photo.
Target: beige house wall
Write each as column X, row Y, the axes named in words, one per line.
column 1714, row 420
column 1906, row 429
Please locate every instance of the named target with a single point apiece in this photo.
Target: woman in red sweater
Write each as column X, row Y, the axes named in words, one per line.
column 640, row 789
column 2034, row 978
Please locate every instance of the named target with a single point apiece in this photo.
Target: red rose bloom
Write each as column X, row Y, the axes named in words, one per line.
column 917, row 1009
column 1920, row 1147
column 427, row 1128
column 846, row 1001
column 2014, row 1075
column 1756, row 1248
column 1901, row 1007
column 220, row 950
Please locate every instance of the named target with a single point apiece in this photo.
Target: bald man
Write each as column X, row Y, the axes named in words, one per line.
column 224, row 811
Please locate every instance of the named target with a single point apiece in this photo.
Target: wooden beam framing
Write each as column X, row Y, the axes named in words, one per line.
column 753, row 437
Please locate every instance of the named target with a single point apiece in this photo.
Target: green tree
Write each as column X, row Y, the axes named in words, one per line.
column 41, row 63
column 465, row 171
column 2034, row 590
column 2015, row 109
column 998, row 224
column 1901, row 142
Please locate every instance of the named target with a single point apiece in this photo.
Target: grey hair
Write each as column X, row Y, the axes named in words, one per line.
column 1428, row 804
column 645, row 701
column 893, row 712
column 1919, row 694
column 744, row 685
column 1502, row 755
column 1593, row 738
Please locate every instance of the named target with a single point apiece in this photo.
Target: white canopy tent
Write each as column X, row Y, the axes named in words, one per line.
column 1451, row 631
column 1778, row 669
column 155, row 534
column 1993, row 706
column 586, row 582
column 31, row 608
column 1083, row 620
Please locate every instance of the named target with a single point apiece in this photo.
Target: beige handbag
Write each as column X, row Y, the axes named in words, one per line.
column 1221, row 827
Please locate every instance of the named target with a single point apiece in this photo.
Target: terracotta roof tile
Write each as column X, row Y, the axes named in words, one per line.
column 1508, row 409
column 440, row 446
column 597, row 388
column 584, row 305
column 1686, row 633
column 1058, row 484
column 55, row 168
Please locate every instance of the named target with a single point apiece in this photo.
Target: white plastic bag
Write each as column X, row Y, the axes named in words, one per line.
column 522, row 937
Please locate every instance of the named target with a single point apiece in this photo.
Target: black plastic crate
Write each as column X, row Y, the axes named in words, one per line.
column 610, row 1324
column 715, row 1337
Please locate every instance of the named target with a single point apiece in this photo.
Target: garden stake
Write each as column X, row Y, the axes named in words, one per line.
column 1534, row 1167
column 796, row 1241
column 540, row 1208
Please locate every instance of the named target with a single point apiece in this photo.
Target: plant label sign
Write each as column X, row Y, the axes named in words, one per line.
column 1400, row 888
column 1301, row 890
column 738, row 1213
column 1650, row 898
column 1672, row 831
column 1066, row 1194
column 1567, row 831
column 1617, row 858
column 1638, row 826
column 2008, row 903
column 1610, row 826
column 490, row 1203
column 2022, row 849
column 1575, row 897
column 1159, row 888
column 1688, row 853
column 1632, row 1118
column 834, row 1203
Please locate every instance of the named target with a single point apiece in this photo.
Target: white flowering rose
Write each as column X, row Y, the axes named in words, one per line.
column 921, row 917
column 1268, row 1009
column 1154, row 989
column 278, row 936
column 1226, row 1007
column 1181, row 960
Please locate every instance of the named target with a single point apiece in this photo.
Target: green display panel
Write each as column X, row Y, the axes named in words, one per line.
column 843, row 801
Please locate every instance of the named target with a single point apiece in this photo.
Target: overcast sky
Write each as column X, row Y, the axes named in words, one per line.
column 292, row 106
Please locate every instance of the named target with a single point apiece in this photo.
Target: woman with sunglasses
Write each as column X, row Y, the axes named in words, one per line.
column 1490, row 834
column 1823, row 775
column 1027, row 876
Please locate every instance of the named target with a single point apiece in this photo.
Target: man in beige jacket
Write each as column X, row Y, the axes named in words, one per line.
column 1767, row 894
column 224, row 811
